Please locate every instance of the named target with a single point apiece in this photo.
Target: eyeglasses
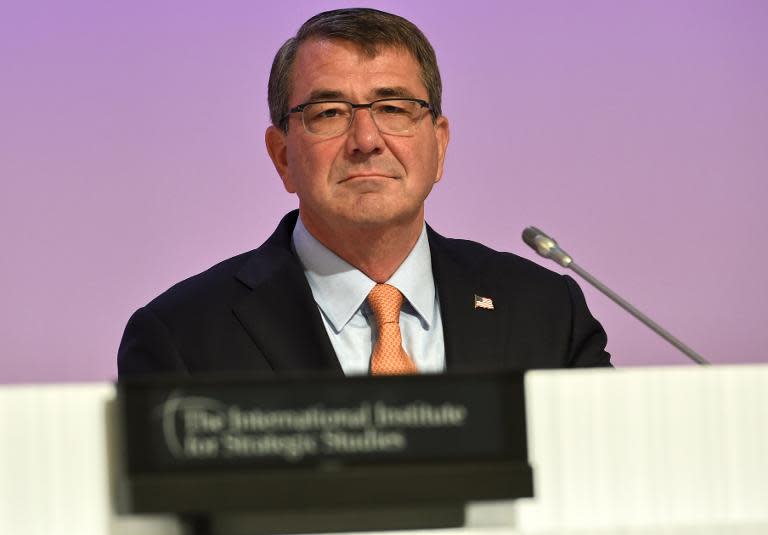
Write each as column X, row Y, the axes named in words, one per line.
column 329, row 118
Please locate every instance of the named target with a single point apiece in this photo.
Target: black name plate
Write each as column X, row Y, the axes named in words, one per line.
column 324, row 433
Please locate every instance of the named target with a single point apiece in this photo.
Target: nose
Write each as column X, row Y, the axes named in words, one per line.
column 364, row 136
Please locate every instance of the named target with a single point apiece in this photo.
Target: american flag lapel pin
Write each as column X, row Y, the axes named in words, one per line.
column 483, row 302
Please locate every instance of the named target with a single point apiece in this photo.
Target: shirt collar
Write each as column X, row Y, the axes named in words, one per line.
column 415, row 280
column 340, row 288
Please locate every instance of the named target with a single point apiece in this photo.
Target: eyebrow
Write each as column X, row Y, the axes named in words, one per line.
column 379, row 92
column 385, row 92
column 324, row 94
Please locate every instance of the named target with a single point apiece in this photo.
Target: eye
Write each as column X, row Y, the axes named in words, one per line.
column 326, row 110
column 390, row 108
column 330, row 112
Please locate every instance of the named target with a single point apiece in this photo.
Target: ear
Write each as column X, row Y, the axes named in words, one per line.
column 442, row 135
column 277, row 148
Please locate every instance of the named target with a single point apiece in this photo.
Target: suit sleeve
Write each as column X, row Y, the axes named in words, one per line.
column 147, row 347
column 588, row 339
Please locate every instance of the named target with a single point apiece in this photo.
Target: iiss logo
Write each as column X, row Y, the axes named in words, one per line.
column 201, row 428
column 192, row 424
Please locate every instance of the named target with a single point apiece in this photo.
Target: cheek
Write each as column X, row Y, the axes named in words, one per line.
column 299, row 167
column 426, row 163
column 311, row 164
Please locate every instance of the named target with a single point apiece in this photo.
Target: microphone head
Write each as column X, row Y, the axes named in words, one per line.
column 530, row 234
column 546, row 246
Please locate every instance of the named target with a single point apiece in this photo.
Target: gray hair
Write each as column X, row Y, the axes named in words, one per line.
column 369, row 29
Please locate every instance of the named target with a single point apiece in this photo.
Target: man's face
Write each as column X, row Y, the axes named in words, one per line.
column 361, row 177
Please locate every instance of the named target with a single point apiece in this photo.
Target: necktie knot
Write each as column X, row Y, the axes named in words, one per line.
column 388, row 357
column 385, row 301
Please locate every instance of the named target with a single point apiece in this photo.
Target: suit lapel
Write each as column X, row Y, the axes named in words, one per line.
column 279, row 313
column 474, row 337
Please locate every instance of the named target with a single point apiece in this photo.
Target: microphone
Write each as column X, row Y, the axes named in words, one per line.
column 548, row 248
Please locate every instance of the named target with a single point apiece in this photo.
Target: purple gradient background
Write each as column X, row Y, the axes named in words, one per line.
column 636, row 133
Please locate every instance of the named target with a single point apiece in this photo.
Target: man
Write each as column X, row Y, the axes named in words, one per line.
column 355, row 282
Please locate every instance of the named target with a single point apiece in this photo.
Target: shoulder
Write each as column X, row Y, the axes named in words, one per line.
column 545, row 311
column 214, row 284
column 478, row 259
column 227, row 280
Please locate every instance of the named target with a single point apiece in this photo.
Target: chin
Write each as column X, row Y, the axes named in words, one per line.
column 379, row 217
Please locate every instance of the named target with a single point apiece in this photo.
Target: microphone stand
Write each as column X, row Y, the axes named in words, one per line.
column 623, row 303
column 548, row 248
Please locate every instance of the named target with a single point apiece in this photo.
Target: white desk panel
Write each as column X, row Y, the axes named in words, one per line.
column 647, row 447
column 654, row 451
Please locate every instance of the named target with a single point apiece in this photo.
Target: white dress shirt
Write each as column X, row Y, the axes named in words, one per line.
column 340, row 291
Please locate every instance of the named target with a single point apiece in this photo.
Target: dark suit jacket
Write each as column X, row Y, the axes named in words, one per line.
column 255, row 312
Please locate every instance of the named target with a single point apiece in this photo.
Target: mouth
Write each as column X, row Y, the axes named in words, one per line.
column 368, row 176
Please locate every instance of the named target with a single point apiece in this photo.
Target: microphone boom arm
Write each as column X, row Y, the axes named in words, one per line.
column 548, row 248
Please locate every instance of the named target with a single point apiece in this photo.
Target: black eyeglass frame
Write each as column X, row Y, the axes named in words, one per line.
column 300, row 108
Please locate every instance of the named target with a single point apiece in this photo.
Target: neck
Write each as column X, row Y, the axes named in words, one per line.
column 377, row 251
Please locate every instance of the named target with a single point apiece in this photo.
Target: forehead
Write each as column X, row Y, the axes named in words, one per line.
column 342, row 68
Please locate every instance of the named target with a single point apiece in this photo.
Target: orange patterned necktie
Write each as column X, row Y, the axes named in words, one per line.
column 388, row 357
